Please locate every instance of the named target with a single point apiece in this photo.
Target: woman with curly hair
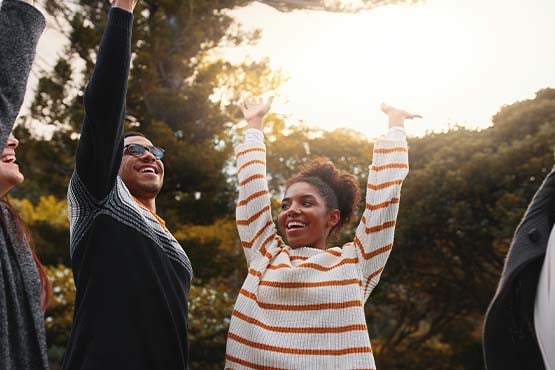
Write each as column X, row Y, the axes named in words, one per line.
column 24, row 286
column 302, row 303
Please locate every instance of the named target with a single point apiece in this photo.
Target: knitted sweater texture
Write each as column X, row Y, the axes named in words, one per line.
column 302, row 308
column 22, row 337
column 132, row 276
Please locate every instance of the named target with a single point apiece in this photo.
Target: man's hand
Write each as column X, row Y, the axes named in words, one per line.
column 128, row 5
column 254, row 110
column 397, row 116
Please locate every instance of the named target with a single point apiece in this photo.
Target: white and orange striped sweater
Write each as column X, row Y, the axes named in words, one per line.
column 302, row 308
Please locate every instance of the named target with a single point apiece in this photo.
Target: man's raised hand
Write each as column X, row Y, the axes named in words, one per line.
column 128, row 5
column 254, row 110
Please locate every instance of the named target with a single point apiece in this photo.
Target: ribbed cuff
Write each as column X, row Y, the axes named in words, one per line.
column 35, row 17
column 396, row 133
column 119, row 17
column 254, row 135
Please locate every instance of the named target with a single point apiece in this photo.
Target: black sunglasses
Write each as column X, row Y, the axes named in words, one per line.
column 137, row 150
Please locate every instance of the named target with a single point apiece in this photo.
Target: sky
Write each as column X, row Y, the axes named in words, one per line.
column 452, row 61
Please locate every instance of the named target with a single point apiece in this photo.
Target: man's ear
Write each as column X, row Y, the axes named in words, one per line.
column 333, row 217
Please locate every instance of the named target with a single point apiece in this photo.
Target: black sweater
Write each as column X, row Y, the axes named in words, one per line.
column 132, row 276
column 509, row 338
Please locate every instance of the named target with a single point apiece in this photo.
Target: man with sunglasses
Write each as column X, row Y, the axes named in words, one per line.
column 142, row 169
column 132, row 277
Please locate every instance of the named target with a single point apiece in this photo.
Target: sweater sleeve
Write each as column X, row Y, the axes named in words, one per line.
column 101, row 143
column 253, row 211
column 21, row 25
column 374, row 234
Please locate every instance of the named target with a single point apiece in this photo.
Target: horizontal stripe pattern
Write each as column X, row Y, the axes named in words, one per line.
column 389, row 166
column 315, row 266
column 372, row 276
column 258, row 149
column 390, row 150
column 252, row 178
column 254, row 217
column 367, row 255
column 302, row 362
column 248, row 364
column 299, row 351
column 317, row 284
column 377, row 228
column 384, row 185
column 250, row 163
column 302, row 329
column 300, row 307
column 248, row 244
column 252, row 197
column 303, row 307
column 373, row 207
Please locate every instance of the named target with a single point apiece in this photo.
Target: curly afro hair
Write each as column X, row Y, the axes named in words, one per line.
column 339, row 188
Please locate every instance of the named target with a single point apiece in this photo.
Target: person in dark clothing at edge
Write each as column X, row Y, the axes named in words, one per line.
column 132, row 277
column 24, row 286
column 519, row 328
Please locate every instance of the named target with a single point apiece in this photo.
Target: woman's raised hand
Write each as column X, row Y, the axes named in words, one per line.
column 397, row 116
column 254, row 110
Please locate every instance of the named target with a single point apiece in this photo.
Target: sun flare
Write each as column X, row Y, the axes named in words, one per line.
column 453, row 62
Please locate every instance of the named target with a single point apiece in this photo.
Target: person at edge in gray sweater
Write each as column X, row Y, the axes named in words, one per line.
column 132, row 277
column 24, row 286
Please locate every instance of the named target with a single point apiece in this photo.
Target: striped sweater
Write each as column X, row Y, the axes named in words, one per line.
column 303, row 308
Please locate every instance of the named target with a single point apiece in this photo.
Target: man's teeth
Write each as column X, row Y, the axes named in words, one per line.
column 148, row 170
column 8, row 159
column 295, row 224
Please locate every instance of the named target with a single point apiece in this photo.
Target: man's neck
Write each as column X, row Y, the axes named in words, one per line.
column 149, row 203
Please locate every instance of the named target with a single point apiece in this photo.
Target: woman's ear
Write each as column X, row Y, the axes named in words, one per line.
column 334, row 216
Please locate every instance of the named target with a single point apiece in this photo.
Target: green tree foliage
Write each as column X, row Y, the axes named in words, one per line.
column 60, row 311
column 214, row 250
column 210, row 309
column 179, row 95
column 49, row 226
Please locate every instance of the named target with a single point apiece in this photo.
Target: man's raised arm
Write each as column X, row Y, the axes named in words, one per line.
column 101, row 143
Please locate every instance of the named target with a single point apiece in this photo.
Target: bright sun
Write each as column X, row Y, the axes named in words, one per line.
column 455, row 62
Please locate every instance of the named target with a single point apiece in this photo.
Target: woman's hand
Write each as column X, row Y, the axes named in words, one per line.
column 397, row 116
column 254, row 110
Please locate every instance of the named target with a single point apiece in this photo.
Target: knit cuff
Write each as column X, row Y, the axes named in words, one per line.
column 33, row 17
column 254, row 136
column 121, row 18
column 396, row 133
